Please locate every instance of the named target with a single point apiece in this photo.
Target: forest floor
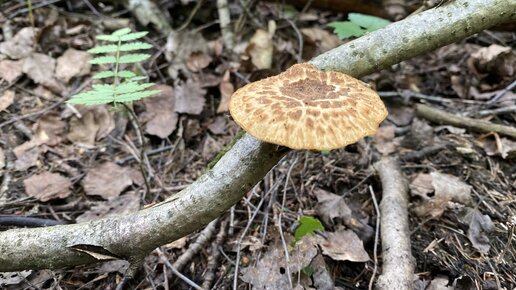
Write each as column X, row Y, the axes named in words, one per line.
column 73, row 164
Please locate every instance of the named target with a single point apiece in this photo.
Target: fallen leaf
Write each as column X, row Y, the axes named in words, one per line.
column 210, row 147
column 451, row 187
column 120, row 205
column 107, row 180
column 73, row 63
column 159, row 115
column 324, row 39
column 479, row 228
column 119, row 266
column 40, row 68
column 197, row 61
column 21, row 45
column 6, row 99
column 10, row 70
column 13, row 278
column 384, row 140
column 96, row 122
column 226, row 89
column 439, row 283
column 50, row 129
column 422, row 186
column 489, row 53
column 270, row 271
column 504, row 148
column 180, row 46
column 27, row 159
column 331, row 207
column 218, row 126
column 261, row 48
column 47, row 186
column 190, row 98
column 343, row 245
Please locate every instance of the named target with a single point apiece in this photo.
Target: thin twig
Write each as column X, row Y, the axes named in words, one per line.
column 299, row 39
column 192, row 14
column 501, row 93
column 175, row 271
column 503, row 110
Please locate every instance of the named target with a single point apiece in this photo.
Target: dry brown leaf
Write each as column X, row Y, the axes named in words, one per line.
column 479, row 228
column 47, row 186
column 218, row 126
column 487, row 54
column 120, row 205
column 179, row 47
column 504, row 147
column 21, row 45
column 451, row 187
column 323, row 38
column 27, row 159
column 270, row 273
column 190, row 98
column 226, row 90
column 331, row 206
column 96, row 122
column 6, row 99
column 73, row 63
column 39, row 67
column 384, row 139
column 210, row 147
column 107, row 180
column 261, row 48
column 10, row 70
column 343, row 245
column 197, row 61
column 159, row 114
column 49, row 129
column 422, row 186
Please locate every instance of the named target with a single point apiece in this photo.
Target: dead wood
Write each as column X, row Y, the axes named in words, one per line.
column 133, row 236
column 398, row 263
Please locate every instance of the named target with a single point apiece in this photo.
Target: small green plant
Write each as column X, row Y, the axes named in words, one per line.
column 307, row 225
column 358, row 25
column 125, row 86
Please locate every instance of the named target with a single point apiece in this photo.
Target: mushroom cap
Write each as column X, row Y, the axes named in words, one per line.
column 307, row 108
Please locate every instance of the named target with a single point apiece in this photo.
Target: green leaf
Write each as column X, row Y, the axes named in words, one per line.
column 103, row 75
column 104, row 49
column 358, row 25
column 346, row 29
column 91, row 98
column 121, row 31
column 370, row 23
column 134, row 46
column 104, row 88
column 105, row 37
column 126, row 74
column 133, row 36
column 135, row 96
column 308, row 225
column 133, row 58
column 131, row 87
column 103, row 60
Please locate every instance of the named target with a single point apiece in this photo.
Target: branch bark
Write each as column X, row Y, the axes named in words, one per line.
column 133, row 236
column 398, row 262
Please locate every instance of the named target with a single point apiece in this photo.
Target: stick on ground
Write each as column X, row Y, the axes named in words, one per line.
column 398, row 262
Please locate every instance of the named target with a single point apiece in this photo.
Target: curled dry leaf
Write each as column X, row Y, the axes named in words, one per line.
column 180, row 46
column 331, row 206
column 384, row 140
column 10, row 70
column 161, row 118
column 343, row 245
column 73, row 63
column 47, row 186
column 96, row 122
column 190, row 98
column 226, row 90
column 479, row 228
column 6, row 99
column 50, row 129
column 500, row 147
column 124, row 204
column 197, row 61
column 261, row 48
column 323, row 38
column 107, row 180
column 21, row 45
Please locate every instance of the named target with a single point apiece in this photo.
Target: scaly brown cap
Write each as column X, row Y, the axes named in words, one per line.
column 306, row 108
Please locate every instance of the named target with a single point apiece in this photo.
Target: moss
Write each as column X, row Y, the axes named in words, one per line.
column 226, row 148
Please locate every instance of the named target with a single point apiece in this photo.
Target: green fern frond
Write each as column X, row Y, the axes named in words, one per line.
column 126, row 74
column 103, row 60
column 133, row 58
column 133, row 36
column 125, row 86
column 103, row 75
column 135, row 96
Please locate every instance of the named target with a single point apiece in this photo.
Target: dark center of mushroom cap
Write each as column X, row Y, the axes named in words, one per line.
column 313, row 92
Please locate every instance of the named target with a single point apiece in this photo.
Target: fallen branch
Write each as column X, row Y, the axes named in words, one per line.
column 133, row 236
column 398, row 263
column 443, row 117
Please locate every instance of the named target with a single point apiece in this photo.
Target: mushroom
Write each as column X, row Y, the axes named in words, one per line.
column 307, row 108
